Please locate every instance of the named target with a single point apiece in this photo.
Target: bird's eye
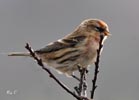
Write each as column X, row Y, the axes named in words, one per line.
column 99, row 29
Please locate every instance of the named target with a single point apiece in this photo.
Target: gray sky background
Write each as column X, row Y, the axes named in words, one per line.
column 42, row 21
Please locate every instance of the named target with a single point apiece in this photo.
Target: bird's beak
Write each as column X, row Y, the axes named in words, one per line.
column 107, row 33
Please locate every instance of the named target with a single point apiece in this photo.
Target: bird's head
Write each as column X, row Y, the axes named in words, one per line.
column 95, row 26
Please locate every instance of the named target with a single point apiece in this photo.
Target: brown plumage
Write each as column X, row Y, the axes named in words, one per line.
column 77, row 48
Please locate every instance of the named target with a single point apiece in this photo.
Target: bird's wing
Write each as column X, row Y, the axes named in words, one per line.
column 61, row 44
column 55, row 46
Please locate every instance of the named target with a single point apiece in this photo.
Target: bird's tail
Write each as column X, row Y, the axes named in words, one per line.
column 18, row 54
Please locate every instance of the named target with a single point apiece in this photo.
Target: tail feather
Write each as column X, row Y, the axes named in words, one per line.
column 18, row 54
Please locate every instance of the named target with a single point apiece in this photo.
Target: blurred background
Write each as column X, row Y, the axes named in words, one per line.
column 42, row 21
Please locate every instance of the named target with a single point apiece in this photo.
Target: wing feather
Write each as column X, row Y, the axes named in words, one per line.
column 61, row 44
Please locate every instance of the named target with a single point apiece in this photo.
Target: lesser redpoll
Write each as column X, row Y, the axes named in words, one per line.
column 78, row 48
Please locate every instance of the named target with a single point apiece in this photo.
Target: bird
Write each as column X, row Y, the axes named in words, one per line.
column 78, row 48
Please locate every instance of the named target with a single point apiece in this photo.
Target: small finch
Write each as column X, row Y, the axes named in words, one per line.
column 78, row 48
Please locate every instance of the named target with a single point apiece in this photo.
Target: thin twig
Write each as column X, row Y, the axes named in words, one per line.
column 94, row 86
column 81, row 89
column 75, row 77
column 82, row 79
column 39, row 61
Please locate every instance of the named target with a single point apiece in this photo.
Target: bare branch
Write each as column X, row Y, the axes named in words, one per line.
column 39, row 61
column 81, row 89
column 94, row 86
